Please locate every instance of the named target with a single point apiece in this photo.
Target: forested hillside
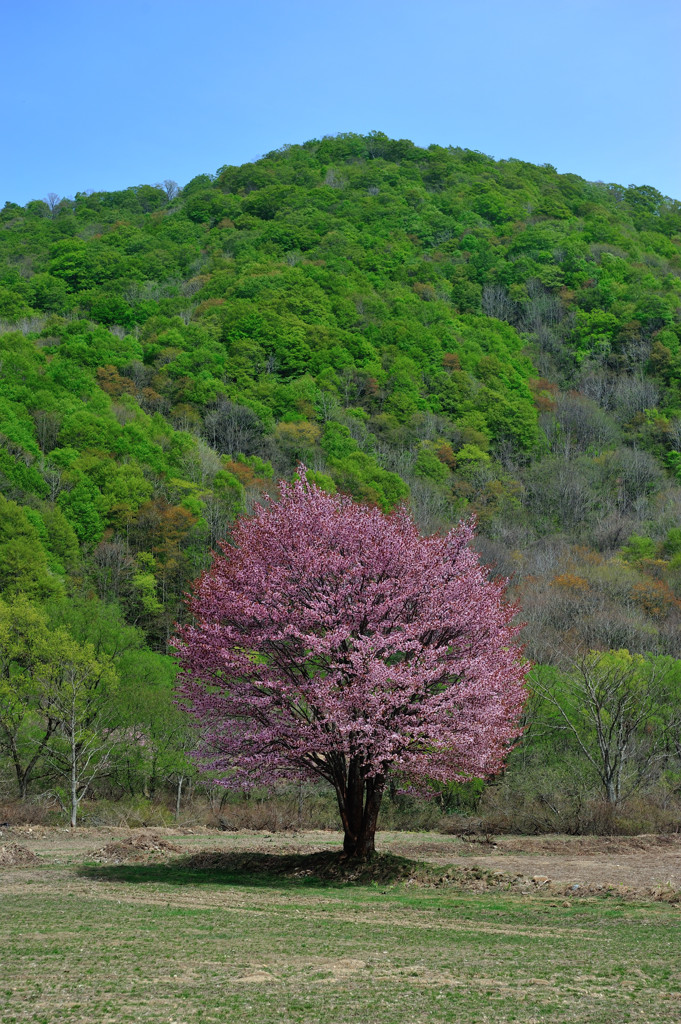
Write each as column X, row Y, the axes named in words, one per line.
column 427, row 326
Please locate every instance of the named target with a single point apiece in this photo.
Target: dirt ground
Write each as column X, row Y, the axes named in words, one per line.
column 637, row 863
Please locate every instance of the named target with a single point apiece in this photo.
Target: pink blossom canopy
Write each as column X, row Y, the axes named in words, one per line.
column 330, row 630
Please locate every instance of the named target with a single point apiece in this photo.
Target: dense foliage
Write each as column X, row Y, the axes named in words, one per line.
column 420, row 325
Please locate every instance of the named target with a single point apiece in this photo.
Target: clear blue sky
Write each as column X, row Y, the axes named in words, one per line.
column 103, row 94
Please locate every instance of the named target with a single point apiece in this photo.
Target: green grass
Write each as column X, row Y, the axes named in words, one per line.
column 176, row 945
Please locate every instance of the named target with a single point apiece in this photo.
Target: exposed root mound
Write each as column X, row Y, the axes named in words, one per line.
column 135, row 850
column 576, row 845
column 387, row 869
column 477, row 879
column 382, row 868
column 15, row 856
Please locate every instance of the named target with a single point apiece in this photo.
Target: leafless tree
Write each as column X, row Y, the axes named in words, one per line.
column 543, row 309
column 561, row 491
column 496, row 302
column 634, row 394
column 335, row 180
column 674, row 433
column 52, row 476
column 219, row 512
column 328, row 404
column 579, row 424
column 430, row 506
column 612, row 529
column 599, row 385
column 638, row 476
column 123, row 413
column 232, row 429
column 112, row 568
column 47, row 424
column 171, row 189
column 139, row 374
column 52, row 200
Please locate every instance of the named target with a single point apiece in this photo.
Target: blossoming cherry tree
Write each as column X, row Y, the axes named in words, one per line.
column 334, row 641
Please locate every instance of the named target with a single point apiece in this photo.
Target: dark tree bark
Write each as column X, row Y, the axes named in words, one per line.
column 24, row 772
column 359, row 801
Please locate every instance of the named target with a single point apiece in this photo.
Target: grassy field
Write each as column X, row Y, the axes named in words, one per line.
column 169, row 944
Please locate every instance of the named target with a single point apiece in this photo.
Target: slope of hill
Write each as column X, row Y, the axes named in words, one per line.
column 422, row 325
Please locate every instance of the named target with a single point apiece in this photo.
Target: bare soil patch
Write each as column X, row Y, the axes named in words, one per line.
column 576, row 845
column 591, row 863
column 383, row 870
column 15, row 856
column 638, row 864
column 135, row 849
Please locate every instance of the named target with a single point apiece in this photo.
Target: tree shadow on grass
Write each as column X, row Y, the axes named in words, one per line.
column 264, row 869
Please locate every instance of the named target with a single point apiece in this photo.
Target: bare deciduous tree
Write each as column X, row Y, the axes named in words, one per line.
column 233, row 429
column 52, row 201
column 635, row 394
column 582, row 425
column 47, row 424
column 112, row 568
column 171, row 189
column 496, row 302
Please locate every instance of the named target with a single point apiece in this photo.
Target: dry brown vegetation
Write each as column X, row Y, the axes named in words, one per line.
column 134, row 849
column 16, row 856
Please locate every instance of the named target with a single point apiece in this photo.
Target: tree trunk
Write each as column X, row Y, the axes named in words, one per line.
column 359, row 811
column 74, row 771
column 74, row 787
column 24, row 774
column 179, row 797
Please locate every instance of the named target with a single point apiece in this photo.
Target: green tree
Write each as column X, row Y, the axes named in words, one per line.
column 79, row 691
column 621, row 710
column 23, row 561
column 27, row 649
